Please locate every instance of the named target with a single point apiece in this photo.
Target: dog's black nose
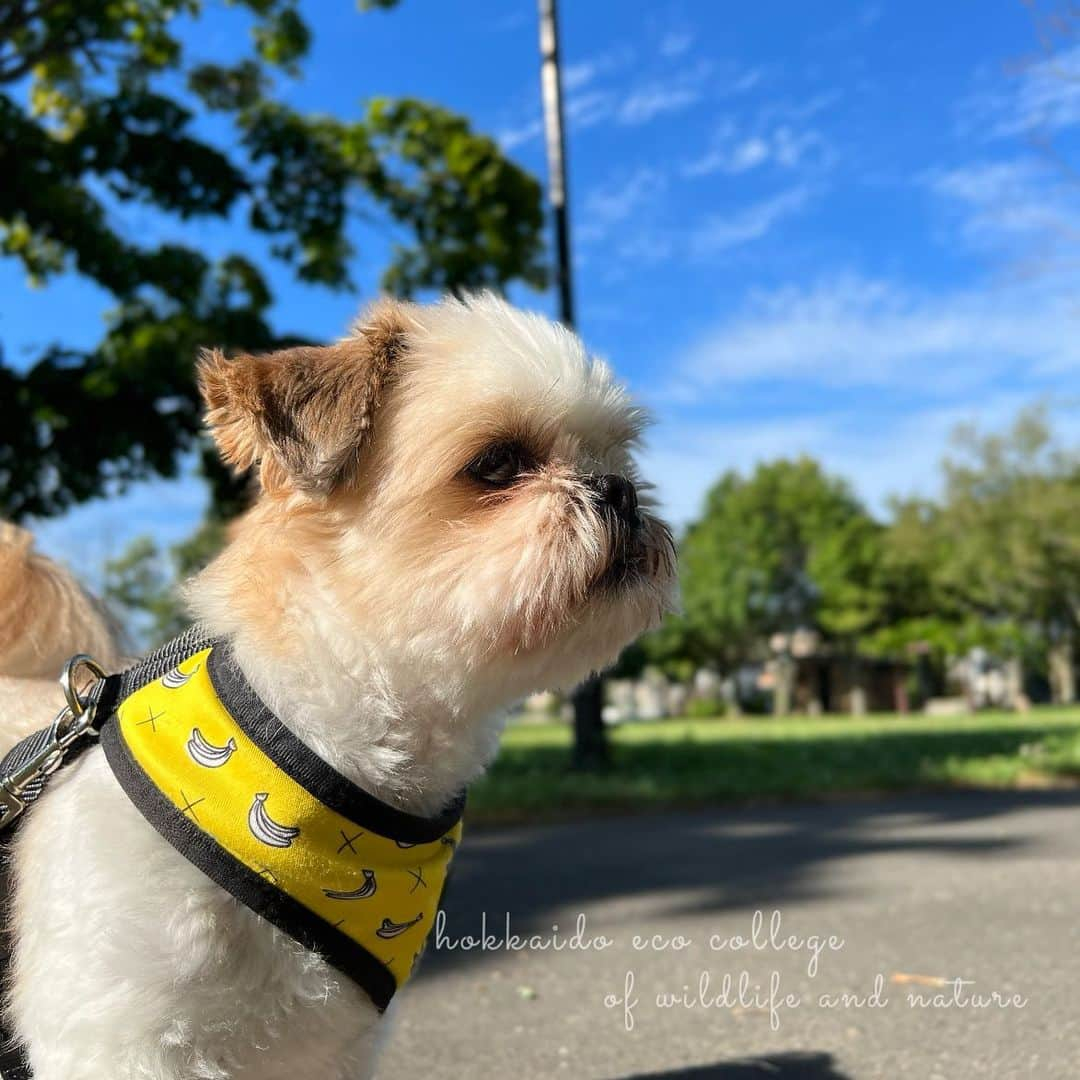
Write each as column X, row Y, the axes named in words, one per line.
column 618, row 493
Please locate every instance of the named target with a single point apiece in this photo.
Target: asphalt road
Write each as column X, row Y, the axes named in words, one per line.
column 920, row 891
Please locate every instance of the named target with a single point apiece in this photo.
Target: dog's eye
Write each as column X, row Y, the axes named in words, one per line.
column 500, row 464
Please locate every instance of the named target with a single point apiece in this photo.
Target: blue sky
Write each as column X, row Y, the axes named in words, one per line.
column 829, row 228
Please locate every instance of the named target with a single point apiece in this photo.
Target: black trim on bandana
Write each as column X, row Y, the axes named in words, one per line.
column 251, row 889
column 114, row 688
column 309, row 770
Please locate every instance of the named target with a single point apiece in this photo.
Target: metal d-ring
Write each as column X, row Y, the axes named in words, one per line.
column 77, row 704
column 73, row 721
column 78, row 714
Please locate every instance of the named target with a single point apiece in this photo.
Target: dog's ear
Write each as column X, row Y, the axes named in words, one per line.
column 304, row 415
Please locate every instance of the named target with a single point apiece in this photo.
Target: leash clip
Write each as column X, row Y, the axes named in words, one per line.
column 73, row 721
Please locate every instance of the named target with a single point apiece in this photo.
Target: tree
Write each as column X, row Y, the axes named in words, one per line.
column 786, row 548
column 1009, row 546
column 98, row 102
column 140, row 586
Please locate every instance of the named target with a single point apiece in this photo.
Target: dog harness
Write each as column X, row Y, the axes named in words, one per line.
column 215, row 772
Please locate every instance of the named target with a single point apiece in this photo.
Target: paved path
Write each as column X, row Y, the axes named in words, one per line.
column 923, row 889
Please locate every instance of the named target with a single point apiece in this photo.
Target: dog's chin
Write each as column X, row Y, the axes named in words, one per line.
column 627, row 569
column 640, row 558
column 628, row 596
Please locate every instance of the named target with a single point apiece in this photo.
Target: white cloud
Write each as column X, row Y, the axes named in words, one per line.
column 651, row 100
column 648, row 245
column 673, row 93
column 736, row 157
column 851, row 332
column 880, row 453
column 796, row 112
column 513, row 137
column 607, row 206
column 790, row 147
column 733, row 152
column 640, row 240
column 749, row 153
column 740, row 81
column 1043, row 97
column 721, row 232
column 676, row 42
column 578, row 75
column 590, row 100
column 1018, row 204
column 589, row 108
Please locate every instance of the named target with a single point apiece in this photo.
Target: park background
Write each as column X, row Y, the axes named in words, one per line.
column 832, row 255
column 833, row 248
column 833, row 252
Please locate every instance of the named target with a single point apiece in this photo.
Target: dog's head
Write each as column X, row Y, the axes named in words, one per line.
column 465, row 479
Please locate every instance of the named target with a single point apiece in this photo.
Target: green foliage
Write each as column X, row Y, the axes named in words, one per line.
column 705, row 707
column 993, row 563
column 141, row 586
column 787, row 547
column 91, row 120
column 1009, row 522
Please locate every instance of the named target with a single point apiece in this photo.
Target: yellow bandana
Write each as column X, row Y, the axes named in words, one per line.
column 252, row 806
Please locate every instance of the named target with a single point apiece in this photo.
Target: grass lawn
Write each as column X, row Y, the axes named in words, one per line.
column 683, row 763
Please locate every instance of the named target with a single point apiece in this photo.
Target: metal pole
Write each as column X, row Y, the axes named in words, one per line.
column 590, row 739
column 551, row 89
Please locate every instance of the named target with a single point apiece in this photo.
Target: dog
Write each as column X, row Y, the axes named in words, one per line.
column 45, row 617
column 449, row 518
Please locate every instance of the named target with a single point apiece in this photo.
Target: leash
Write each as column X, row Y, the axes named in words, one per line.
column 90, row 697
column 26, row 769
column 24, row 774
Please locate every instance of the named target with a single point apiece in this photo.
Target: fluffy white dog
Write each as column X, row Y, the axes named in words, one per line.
column 447, row 521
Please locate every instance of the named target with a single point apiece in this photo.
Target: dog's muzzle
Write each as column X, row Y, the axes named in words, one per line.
column 616, row 500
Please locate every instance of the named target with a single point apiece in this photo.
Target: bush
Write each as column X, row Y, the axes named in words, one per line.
column 702, row 708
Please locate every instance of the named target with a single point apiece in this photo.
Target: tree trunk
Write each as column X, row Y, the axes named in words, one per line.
column 924, row 679
column 901, row 701
column 729, row 691
column 784, row 667
column 1062, row 672
column 590, row 737
column 1014, row 683
column 857, row 693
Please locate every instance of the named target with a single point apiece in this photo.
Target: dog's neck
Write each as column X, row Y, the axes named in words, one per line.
column 393, row 718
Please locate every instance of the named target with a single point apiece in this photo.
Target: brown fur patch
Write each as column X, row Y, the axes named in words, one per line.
column 306, row 413
column 45, row 617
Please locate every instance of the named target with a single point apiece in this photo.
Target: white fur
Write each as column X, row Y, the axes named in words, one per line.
column 380, row 638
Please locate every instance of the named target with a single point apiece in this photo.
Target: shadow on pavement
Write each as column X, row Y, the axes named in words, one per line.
column 714, row 860
column 799, row 1066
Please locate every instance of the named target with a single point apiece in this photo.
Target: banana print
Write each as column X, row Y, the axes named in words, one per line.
column 390, row 929
column 173, row 680
column 365, row 890
column 264, row 817
column 264, row 828
column 206, row 753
